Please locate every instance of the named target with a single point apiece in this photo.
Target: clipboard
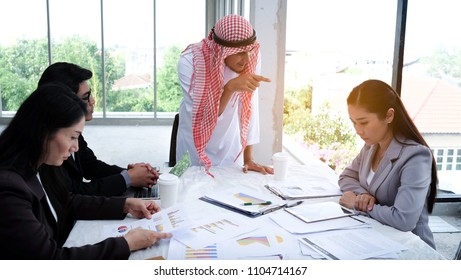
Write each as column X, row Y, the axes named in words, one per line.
column 234, row 199
column 241, row 211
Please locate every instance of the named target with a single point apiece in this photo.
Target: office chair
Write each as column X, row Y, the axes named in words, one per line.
column 174, row 133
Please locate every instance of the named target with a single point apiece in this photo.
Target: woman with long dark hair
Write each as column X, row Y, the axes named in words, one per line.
column 394, row 177
column 35, row 219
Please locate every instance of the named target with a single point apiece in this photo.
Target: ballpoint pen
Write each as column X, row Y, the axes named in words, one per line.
column 293, row 204
column 274, row 191
column 257, row 203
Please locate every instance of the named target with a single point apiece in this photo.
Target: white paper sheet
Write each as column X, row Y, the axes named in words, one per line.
column 354, row 244
column 308, row 251
column 319, row 211
column 123, row 227
column 170, row 219
column 179, row 251
column 310, row 187
column 260, row 244
column 295, row 225
column 211, row 230
column 166, row 220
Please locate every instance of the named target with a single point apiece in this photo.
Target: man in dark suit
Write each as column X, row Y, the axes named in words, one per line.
column 101, row 178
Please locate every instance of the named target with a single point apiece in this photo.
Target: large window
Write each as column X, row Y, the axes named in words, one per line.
column 331, row 47
column 431, row 82
column 23, row 50
column 132, row 48
column 330, row 50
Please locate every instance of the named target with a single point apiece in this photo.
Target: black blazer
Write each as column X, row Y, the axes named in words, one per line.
column 30, row 231
column 106, row 179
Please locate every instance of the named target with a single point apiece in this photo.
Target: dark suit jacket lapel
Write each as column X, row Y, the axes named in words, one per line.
column 38, row 190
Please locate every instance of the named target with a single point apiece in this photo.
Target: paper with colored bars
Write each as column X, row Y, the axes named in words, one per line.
column 245, row 201
column 170, row 219
column 167, row 220
column 261, row 244
column 212, row 229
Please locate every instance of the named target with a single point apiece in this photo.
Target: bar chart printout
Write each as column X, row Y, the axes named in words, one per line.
column 212, row 230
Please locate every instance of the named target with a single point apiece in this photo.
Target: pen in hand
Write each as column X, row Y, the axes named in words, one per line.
column 257, row 203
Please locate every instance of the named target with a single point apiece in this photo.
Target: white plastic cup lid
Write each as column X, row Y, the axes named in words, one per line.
column 280, row 156
column 168, row 177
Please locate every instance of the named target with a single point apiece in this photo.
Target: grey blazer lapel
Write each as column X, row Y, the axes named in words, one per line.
column 385, row 167
column 366, row 165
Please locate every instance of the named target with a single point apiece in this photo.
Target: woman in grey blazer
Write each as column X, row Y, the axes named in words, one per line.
column 394, row 177
column 35, row 218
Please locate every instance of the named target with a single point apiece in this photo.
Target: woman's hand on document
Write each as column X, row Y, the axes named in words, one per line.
column 140, row 208
column 139, row 238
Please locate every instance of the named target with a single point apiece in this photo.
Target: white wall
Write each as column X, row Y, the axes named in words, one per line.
column 268, row 18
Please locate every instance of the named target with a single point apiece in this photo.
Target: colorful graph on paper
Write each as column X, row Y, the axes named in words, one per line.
column 122, row 228
column 158, row 222
column 175, row 218
column 262, row 240
column 259, row 244
column 169, row 219
column 254, row 240
column 207, row 253
column 248, row 198
column 215, row 227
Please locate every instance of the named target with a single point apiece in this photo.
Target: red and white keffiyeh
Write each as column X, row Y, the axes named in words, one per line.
column 232, row 34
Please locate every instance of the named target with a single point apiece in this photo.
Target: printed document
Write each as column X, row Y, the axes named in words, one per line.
column 297, row 226
column 311, row 213
column 312, row 187
column 353, row 244
column 211, row 230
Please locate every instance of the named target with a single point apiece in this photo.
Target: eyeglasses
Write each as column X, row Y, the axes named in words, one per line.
column 87, row 96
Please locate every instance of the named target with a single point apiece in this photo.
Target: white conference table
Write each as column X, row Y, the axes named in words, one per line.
column 195, row 183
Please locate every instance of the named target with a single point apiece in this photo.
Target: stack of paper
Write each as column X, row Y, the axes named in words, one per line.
column 211, row 230
column 294, row 225
column 309, row 189
column 353, row 244
column 261, row 244
column 311, row 213
column 167, row 220
column 317, row 217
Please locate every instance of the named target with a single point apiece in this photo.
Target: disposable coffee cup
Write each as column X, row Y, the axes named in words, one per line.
column 280, row 162
column 168, row 185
